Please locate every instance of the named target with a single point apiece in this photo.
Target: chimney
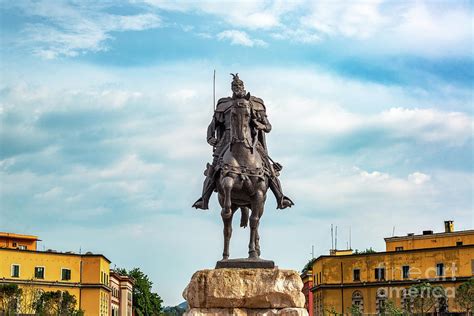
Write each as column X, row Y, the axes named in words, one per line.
column 448, row 226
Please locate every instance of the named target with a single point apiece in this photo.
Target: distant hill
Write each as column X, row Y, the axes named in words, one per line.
column 177, row 310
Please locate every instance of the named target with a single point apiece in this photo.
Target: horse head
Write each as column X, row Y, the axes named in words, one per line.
column 240, row 123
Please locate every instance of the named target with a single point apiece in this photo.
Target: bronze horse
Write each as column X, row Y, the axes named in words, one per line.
column 242, row 182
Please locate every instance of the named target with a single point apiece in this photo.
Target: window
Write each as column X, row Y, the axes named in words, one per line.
column 65, row 274
column 405, row 272
column 356, row 274
column 380, row 274
column 398, row 248
column 458, row 243
column 15, row 270
column 380, row 301
column 14, row 244
column 440, row 269
column 358, row 300
column 22, row 247
column 39, row 272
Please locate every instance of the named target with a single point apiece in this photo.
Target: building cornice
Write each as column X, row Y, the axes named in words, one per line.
column 394, row 252
column 57, row 253
column 429, row 236
column 56, row 283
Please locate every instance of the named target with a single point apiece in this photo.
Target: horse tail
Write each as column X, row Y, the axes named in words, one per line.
column 244, row 217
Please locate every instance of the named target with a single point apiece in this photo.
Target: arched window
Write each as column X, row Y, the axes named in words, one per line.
column 358, row 300
column 380, row 301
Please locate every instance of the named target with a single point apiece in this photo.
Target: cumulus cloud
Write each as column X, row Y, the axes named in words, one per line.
column 72, row 29
column 358, row 19
column 258, row 14
column 240, row 38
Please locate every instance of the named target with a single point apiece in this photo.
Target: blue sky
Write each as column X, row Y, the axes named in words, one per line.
column 104, row 109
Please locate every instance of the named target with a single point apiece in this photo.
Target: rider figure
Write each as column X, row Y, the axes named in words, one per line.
column 218, row 136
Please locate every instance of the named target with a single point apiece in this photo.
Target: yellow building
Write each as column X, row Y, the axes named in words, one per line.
column 368, row 280
column 17, row 241
column 86, row 276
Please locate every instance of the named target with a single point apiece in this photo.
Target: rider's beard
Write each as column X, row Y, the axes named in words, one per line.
column 239, row 93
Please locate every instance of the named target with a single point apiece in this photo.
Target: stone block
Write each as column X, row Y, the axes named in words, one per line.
column 291, row 311
column 245, row 289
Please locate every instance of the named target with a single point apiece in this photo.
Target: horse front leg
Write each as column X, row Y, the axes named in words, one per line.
column 227, row 233
column 227, row 184
column 258, row 201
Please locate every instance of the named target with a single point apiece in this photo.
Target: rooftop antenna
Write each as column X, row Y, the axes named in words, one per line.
column 350, row 237
column 335, row 240
column 393, row 231
column 332, row 237
column 312, row 251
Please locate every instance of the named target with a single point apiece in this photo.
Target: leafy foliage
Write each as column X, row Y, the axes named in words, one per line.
column 465, row 295
column 29, row 296
column 10, row 295
column 59, row 303
column 392, row 310
column 368, row 250
column 308, row 266
column 424, row 297
column 354, row 310
column 332, row 311
column 145, row 302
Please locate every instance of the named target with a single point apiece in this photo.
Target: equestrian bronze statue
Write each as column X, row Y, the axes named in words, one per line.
column 241, row 171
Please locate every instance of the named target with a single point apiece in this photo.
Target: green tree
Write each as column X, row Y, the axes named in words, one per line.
column 354, row 310
column 10, row 295
column 392, row 309
column 333, row 312
column 145, row 302
column 425, row 296
column 30, row 294
column 308, row 266
column 465, row 296
column 368, row 250
column 57, row 303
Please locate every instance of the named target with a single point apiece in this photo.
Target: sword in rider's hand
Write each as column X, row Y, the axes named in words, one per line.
column 214, row 100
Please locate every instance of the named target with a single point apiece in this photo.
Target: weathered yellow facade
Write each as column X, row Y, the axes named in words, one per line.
column 369, row 280
column 85, row 276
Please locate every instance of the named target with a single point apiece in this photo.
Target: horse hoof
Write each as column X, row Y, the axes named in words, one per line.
column 253, row 255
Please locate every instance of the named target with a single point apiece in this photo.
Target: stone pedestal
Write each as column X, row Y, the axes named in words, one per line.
column 242, row 292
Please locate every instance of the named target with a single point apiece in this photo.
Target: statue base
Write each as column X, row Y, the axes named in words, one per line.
column 245, row 292
column 245, row 263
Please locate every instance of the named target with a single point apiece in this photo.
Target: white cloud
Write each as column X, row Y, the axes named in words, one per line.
column 359, row 19
column 240, row 38
column 257, row 14
column 432, row 31
column 71, row 30
column 419, row 177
